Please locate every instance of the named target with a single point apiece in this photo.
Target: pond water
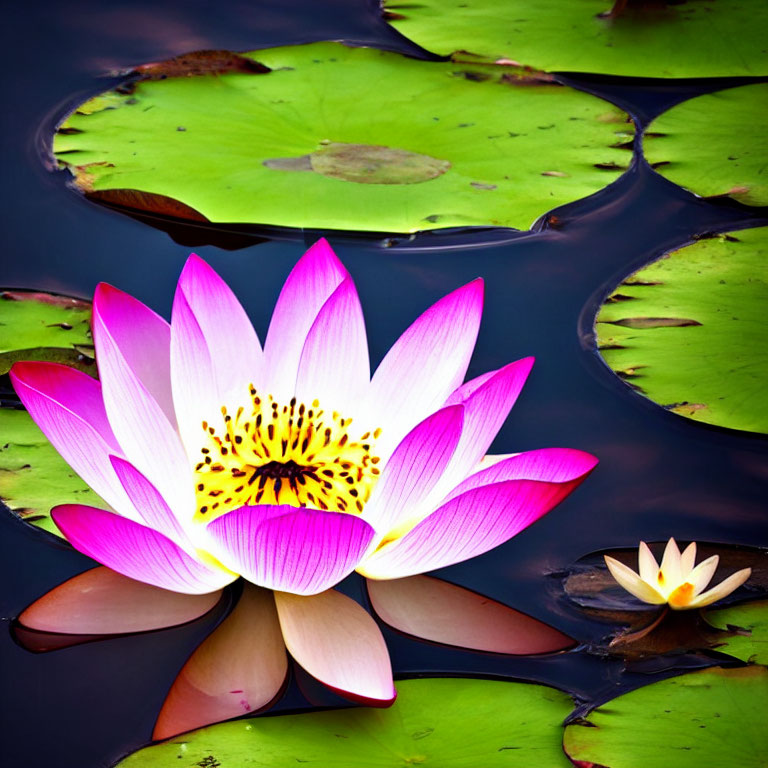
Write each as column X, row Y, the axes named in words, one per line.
column 660, row 475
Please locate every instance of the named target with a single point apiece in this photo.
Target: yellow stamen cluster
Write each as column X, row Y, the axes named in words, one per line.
column 293, row 454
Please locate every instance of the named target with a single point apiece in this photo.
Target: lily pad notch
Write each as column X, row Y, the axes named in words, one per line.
column 690, row 330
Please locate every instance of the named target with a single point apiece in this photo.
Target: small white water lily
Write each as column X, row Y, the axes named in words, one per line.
column 676, row 581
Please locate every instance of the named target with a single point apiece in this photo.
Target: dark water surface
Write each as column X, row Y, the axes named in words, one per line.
column 660, row 475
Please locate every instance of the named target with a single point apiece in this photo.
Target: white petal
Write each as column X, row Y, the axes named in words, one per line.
column 688, row 559
column 628, row 579
column 725, row 587
column 702, row 574
column 647, row 565
column 670, row 574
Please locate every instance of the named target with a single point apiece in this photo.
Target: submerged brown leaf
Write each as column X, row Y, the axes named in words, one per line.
column 146, row 201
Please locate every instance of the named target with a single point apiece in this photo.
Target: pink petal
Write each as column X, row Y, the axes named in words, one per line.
column 143, row 338
column 132, row 342
column 486, row 406
column 196, row 393
column 232, row 342
column 136, row 551
column 334, row 367
column 466, row 526
column 414, row 468
column 339, row 644
column 435, row 610
column 239, row 669
column 311, row 282
column 289, row 548
column 151, row 506
column 67, row 406
column 103, row 602
column 427, row 362
column 552, row 465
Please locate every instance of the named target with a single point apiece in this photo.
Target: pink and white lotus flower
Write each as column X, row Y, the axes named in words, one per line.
column 290, row 466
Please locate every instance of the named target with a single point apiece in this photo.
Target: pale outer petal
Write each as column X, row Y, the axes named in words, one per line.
column 338, row 643
column 238, row 669
column 632, row 582
column 725, row 587
column 103, row 602
column 436, row 610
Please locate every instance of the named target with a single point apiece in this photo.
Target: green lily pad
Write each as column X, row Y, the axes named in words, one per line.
column 715, row 145
column 715, row 717
column 442, row 722
column 33, row 477
column 690, row 331
column 751, row 644
column 312, row 143
column 642, row 39
column 41, row 326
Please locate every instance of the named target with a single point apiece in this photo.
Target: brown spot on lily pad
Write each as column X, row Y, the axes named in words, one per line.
column 303, row 163
column 687, row 409
column 373, row 164
column 654, row 322
column 199, row 63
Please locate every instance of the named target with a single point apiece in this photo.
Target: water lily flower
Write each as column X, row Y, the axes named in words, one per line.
column 289, row 466
column 676, row 582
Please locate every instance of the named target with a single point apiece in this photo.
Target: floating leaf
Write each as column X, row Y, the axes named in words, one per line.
column 751, row 643
column 715, row 145
column 33, row 477
column 42, row 326
column 642, row 39
column 312, row 144
column 690, row 331
column 436, row 610
column 445, row 723
column 707, row 718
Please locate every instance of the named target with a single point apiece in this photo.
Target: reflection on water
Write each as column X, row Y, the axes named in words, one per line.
column 660, row 475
